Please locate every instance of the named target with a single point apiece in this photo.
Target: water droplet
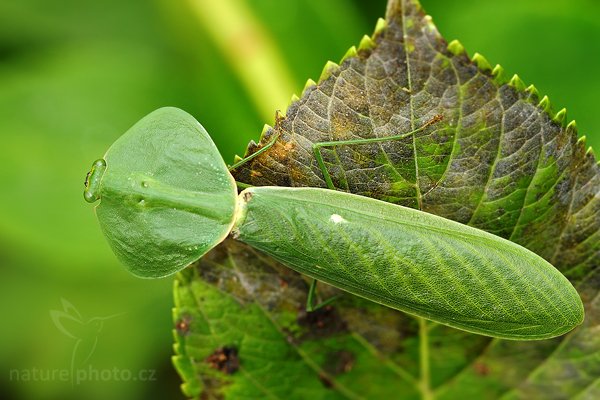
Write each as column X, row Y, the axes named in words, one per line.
column 142, row 202
column 145, row 184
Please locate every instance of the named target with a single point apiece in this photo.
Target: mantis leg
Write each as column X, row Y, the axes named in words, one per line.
column 242, row 185
column 255, row 154
column 319, row 157
column 310, row 299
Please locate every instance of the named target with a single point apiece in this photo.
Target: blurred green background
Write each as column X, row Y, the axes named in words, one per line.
column 74, row 75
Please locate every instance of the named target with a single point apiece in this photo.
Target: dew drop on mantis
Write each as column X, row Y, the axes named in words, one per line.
column 167, row 198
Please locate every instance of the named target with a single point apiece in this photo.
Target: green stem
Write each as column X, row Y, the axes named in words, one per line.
column 250, row 50
column 426, row 392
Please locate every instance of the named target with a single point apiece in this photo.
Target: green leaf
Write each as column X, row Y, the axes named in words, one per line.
column 238, row 299
column 500, row 160
column 156, row 213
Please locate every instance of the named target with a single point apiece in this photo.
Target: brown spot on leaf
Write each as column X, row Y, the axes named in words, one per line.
column 339, row 362
column 283, row 283
column 208, row 394
column 322, row 322
column 481, row 369
column 436, row 118
column 325, row 380
column 280, row 151
column 224, row 359
column 182, row 326
column 279, row 117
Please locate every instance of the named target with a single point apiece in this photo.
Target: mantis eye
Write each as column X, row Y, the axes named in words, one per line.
column 93, row 181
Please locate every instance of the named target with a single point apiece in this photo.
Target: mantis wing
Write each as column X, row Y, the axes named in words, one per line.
column 166, row 196
column 410, row 260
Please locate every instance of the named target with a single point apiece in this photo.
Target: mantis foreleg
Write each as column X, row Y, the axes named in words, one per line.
column 316, row 147
column 255, row 154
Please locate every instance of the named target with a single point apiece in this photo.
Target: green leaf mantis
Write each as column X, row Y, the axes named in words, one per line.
column 167, row 198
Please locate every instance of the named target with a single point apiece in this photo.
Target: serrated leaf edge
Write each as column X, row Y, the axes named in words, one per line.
column 366, row 44
column 456, row 48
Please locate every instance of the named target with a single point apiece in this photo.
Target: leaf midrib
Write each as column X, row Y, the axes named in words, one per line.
column 412, row 114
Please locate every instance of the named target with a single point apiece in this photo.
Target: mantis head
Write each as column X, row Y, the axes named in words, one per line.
column 165, row 194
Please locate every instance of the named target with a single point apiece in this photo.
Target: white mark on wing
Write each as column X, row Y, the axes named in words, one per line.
column 337, row 219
